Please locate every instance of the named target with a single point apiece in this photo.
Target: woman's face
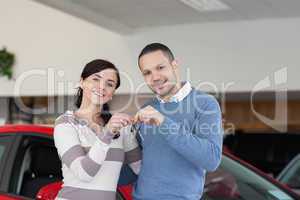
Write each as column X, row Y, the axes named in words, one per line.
column 99, row 88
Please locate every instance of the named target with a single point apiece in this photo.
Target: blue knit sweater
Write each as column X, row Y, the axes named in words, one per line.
column 177, row 154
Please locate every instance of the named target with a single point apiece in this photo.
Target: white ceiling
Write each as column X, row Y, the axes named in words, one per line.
column 127, row 16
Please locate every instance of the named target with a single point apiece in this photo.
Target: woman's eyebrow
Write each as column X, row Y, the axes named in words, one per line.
column 111, row 80
column 99, row 76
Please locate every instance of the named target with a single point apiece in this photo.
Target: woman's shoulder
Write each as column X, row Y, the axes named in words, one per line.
column 66, row 118
column 66, row 125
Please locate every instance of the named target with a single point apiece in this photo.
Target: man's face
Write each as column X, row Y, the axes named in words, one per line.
column 159, row 73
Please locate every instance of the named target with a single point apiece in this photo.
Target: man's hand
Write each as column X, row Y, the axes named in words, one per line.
column 149, row 115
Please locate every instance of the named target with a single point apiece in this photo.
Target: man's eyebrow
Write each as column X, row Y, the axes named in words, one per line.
column 159, row 64
column 163, row 63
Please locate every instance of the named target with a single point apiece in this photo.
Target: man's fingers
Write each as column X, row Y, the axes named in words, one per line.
column 153, row 121
column 148, row 115
column 150, row 121
column 136, row 117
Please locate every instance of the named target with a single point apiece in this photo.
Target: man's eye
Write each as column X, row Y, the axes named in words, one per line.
column 161, row 67
column 95, row 79
column 146, row 73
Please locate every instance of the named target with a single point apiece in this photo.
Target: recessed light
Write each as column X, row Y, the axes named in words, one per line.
column 206, row 5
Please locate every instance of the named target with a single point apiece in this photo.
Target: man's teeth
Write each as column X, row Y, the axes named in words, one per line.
column 160, row 85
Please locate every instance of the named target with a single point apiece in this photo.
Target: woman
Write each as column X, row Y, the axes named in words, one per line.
column 91, row 143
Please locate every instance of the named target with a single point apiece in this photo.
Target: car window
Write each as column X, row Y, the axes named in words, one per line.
column 7, row 154
column 234, row 181
column 36, row 165
column 5, row 142
column 2, row 149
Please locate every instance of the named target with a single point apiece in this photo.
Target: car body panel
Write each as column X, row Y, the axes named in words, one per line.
column 48, row 192
column 6, row 196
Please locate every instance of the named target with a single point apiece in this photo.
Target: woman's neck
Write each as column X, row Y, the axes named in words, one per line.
column 91, row 112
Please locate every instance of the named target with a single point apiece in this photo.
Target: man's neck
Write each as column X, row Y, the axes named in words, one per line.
column 168, row 96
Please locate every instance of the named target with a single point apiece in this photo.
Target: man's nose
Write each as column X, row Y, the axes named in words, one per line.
column 155, row 76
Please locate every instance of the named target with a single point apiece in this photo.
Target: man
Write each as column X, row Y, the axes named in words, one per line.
column 180, row 131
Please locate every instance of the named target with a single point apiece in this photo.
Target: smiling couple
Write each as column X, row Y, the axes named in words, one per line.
column 175, row 151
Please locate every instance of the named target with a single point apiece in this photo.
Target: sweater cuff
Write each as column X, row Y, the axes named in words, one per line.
column 106, row 136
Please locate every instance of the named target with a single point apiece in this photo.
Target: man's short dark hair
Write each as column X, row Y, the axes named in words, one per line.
column 157, row 47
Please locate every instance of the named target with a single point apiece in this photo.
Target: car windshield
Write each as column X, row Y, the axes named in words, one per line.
column 232, row 181
column 291, row 177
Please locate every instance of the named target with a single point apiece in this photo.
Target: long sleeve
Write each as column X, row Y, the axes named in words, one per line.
column 133, row 155
column 84, row 165
column 201, row 145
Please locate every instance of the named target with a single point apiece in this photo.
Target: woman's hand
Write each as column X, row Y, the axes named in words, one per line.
column 117, row 122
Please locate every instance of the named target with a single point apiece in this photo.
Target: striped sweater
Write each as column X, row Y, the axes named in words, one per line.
column 91, row 161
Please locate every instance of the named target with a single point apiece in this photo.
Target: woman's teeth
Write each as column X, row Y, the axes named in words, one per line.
column 98, row 94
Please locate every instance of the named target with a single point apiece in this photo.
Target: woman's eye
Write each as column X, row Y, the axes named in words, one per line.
column 95, row 79
column 146, row 73
column 110, row 85
column 161, row 67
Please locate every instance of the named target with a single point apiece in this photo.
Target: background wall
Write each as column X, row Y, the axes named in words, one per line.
column 42, row 37
column 52, row 47
column 243, row 52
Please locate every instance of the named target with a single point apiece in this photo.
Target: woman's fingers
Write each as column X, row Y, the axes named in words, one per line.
column 118, row 121
column 123, row 117
column 115, row 127
column 124, row 121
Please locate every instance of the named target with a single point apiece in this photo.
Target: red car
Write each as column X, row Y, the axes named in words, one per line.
column 30, row 168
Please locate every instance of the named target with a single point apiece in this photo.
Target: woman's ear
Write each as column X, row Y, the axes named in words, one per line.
column 81, row 83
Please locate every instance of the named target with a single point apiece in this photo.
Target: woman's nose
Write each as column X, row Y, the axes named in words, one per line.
column 100, row 85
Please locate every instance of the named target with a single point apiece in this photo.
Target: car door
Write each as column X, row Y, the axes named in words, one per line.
column 9, row 143
column 36, row 165
column 6, row 196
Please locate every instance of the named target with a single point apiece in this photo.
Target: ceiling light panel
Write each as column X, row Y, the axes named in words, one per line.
column 206, row 5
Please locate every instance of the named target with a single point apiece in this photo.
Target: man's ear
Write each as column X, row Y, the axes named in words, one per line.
column 175, row 64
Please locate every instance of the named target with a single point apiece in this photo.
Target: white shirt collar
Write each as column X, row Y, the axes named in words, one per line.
column 180, row 95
